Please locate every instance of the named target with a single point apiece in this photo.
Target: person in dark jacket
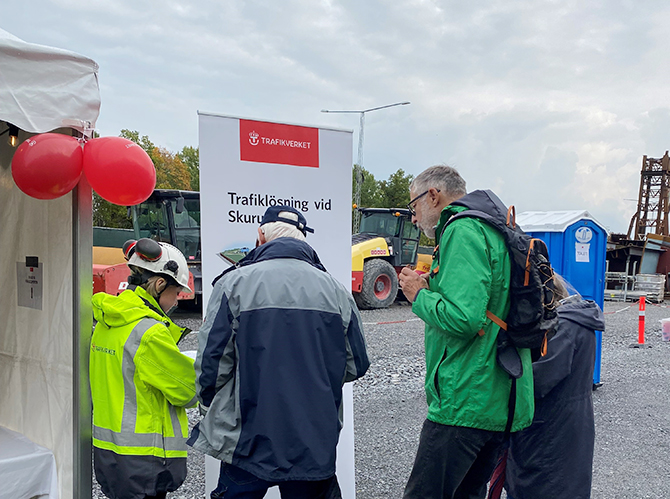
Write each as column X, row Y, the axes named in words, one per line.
column 554, row 456
column 281, row 337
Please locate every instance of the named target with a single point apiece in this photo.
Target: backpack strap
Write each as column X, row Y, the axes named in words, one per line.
column 508, row 358
column 495, row 319
column 469, row 213
column 511, row 407
column 543, row 348
column 526, row 278
column 511, row 216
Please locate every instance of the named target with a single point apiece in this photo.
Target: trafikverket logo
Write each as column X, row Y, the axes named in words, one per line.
column 280, row 144
column 108, row 351
column 253, row 138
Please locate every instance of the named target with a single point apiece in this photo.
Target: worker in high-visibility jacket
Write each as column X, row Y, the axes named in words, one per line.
column 140, row 381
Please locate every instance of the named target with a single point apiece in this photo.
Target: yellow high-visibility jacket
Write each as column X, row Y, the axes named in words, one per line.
column 140, row 385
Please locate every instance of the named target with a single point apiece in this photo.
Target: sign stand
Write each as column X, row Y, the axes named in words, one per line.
column 245, row 167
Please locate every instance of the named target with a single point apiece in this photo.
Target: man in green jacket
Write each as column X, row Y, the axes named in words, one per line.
column 467, row 392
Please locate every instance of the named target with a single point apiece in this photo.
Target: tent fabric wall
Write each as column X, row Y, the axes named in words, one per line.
column 43, row 88
column 36, row 346
column 44, row 390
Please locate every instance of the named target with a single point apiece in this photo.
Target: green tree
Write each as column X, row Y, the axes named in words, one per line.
column 106, row 214
column 172, row 172
column 369, row 189
column 190, row 156
column 142, row 141
column 391, row 193
column 394, row 192
column 424, row 240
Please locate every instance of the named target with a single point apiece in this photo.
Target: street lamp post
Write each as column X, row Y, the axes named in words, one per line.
column 359, row 169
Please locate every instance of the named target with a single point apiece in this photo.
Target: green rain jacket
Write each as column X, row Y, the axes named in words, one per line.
column 464, row 384
column 140, row 385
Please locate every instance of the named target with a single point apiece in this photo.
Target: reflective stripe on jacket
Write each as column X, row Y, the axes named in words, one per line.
column 140, row 381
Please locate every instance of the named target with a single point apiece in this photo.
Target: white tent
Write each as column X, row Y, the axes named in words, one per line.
column 45, row 321
column 44, row 88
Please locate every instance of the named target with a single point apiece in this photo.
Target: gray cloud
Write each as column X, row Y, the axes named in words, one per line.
column 518, row 94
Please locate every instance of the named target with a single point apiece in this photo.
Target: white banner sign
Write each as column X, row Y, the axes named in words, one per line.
column 247, row 166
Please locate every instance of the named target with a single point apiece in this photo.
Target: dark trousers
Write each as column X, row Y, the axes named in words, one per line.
column 453, row 462
column 235, row 483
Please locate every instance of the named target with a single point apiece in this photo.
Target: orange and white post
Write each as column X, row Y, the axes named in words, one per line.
column 640, row 327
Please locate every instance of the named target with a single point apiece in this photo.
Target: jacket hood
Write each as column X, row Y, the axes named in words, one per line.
column 585, row 313
column 282, row 247
column 128, row 307
column 285, row 247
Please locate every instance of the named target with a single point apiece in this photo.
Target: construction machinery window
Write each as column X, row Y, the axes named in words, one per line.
column 187, row 228
column 381, row 224
column 152, row 221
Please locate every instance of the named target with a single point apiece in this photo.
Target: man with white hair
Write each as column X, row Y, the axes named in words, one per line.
column 468, row 393
column 280, row 338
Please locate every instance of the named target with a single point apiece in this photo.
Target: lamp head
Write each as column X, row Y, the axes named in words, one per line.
column 13, row 138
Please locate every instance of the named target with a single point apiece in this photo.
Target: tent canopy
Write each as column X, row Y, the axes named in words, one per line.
column 43, row 88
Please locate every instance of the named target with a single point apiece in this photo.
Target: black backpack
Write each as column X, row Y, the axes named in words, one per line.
column 532, row 317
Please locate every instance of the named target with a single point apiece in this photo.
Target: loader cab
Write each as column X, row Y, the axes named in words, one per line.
column 173, row 217
column 395, row 225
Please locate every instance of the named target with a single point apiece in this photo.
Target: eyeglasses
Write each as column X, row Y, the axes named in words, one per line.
column 409, row 205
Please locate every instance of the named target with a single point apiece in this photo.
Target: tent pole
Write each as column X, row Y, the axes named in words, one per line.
column 82, row 278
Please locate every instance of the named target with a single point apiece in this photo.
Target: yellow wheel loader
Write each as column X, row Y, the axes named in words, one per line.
column 387, row 242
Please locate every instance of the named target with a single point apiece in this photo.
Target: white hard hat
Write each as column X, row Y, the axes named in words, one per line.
column 158, row 258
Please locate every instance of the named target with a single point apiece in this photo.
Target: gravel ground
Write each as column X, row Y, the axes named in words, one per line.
column 632, row 407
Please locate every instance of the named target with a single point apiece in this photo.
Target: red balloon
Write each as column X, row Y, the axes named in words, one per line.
column 48, row 165
column 119, row 170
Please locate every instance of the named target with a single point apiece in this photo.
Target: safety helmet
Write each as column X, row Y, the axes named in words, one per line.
column 158, row 258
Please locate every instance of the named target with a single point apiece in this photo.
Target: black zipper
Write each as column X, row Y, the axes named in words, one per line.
column 436, row 382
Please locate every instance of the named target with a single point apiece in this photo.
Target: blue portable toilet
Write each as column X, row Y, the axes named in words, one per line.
column 577, row 246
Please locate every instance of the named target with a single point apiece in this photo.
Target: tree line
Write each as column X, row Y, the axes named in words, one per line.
column 179, row 170
column 390, row 193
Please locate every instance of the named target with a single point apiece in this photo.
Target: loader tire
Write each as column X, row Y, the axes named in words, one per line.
column 380, row 285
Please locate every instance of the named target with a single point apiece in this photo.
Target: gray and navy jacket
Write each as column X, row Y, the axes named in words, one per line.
column 280, row 338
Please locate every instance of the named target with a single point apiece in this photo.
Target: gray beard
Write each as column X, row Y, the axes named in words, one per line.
column 430, row 233
column 428, row 226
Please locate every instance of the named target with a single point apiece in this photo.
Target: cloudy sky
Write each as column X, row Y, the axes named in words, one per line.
column 550, row 103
